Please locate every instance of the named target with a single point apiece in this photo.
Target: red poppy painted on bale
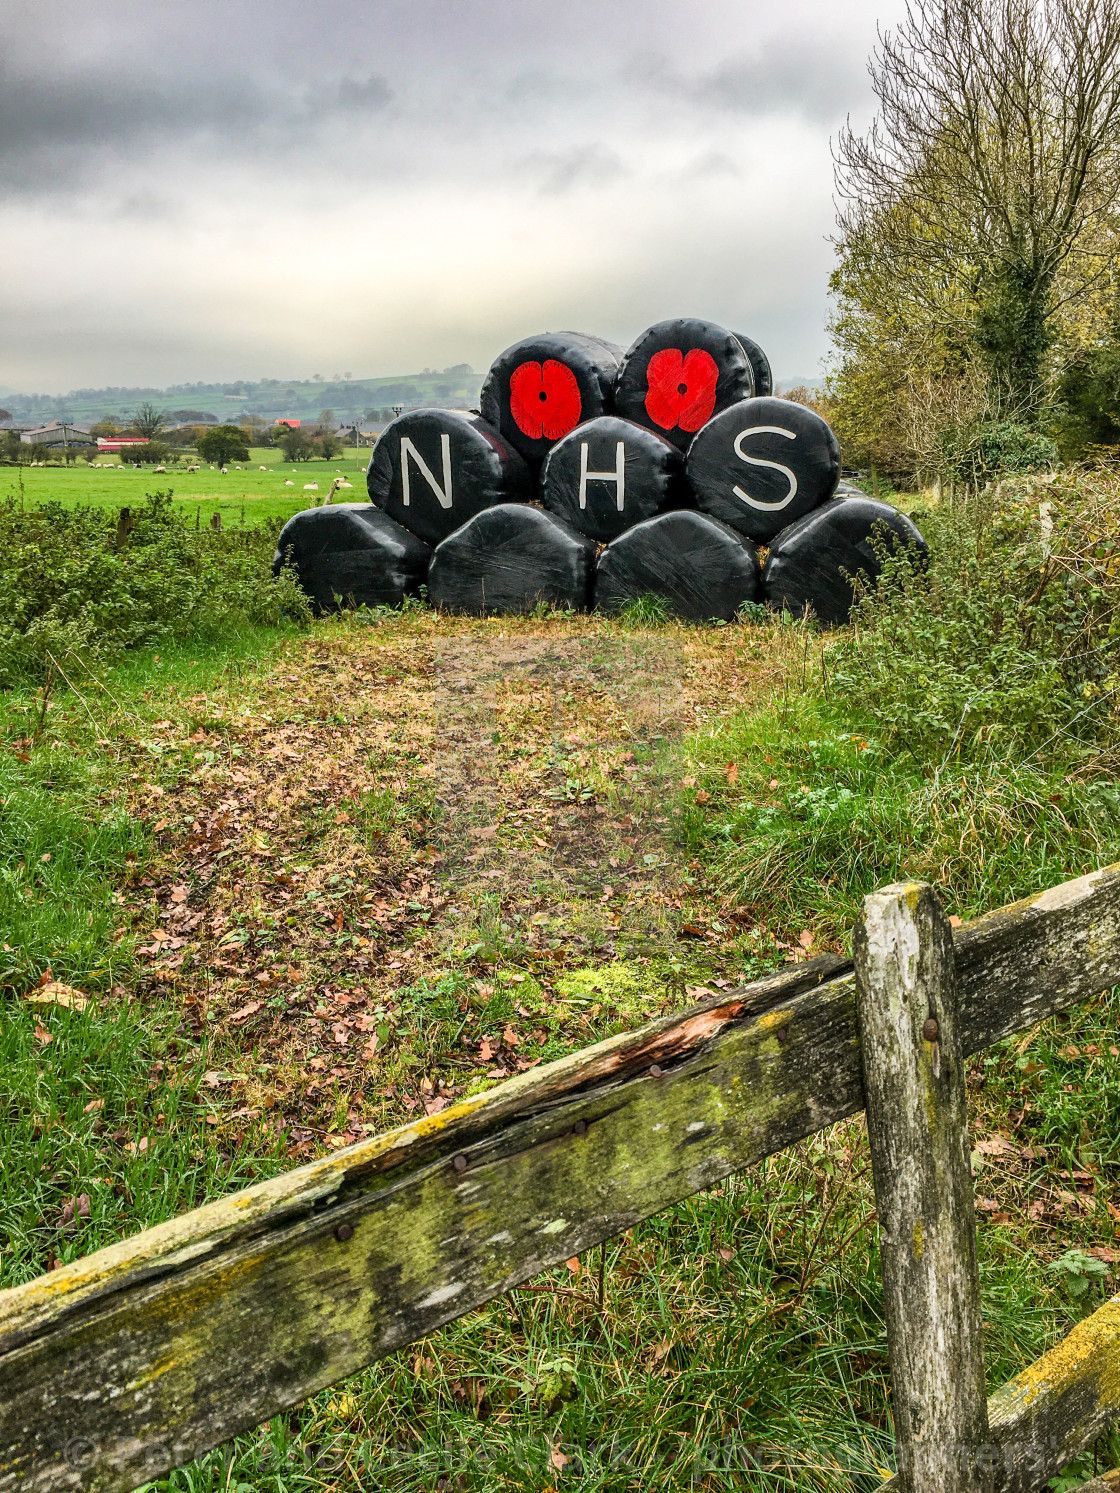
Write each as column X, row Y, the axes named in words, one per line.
column 682, row 388
column 544, row 399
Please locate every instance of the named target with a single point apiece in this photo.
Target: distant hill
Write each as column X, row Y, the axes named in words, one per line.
column 349, row 398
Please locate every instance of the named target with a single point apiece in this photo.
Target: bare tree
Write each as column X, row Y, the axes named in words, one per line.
column 148, row 420
column 996, row 146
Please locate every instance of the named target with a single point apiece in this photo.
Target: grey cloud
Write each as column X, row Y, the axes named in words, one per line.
column 586, row 165
column 59, row 129
column 816, row 78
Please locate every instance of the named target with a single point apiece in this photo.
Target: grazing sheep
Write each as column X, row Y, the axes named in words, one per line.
column 289, row 483
column 311, row 487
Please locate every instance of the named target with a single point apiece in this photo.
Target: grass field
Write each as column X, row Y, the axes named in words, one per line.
column 244, row 492
column 314, row 882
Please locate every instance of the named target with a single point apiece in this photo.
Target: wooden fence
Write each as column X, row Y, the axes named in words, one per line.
column 123, row 1365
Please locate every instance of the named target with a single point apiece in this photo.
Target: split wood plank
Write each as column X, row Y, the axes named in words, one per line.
column 130, row 1362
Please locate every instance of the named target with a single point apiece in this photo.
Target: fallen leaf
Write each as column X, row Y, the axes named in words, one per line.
column 1106, row 1253
column 725, row 1254
column 486, row 833
column 731, row 773
column 954, row 921
column 574, row 1265
column 688, row 782
column 246, row 1011
column 510, row 1037
column 55, row 993
column 42, row 1036
column 995, row 1145
column 703, row 797
column 180, row 893
column 73, row 1211
column 93, row 1106
column 485, row 1051
column 557, row 1459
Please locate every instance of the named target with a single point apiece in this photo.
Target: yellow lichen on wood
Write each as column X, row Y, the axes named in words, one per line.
column 1090, row 1351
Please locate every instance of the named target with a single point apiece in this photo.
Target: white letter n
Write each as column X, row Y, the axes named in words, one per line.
column 442, row 493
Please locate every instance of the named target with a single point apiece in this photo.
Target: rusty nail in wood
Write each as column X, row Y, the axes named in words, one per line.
column 343, row 1232
column 460, row 1163
column 931, row 1030
column 580, row 1127
column 655, row 1071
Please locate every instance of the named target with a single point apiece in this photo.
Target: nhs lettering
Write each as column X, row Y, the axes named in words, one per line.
column 609, row 474
column 432, row 470
column 762, row 464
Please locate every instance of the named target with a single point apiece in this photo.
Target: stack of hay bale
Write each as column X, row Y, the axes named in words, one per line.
column 592, row 477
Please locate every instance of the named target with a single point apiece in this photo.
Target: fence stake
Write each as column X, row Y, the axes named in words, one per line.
column 917, row 1121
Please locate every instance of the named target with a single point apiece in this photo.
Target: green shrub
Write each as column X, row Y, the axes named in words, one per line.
column 150, row 451
column 1008, row 641
column 977, row 453
column 74, row 585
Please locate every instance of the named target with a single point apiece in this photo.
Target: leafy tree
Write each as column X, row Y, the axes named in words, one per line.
column 222, row 444
column 255, row 430
column 140, row 455
column 329, row 445
column 104, row 428
column 996, row 147
column 296, row 445
column 148, row 420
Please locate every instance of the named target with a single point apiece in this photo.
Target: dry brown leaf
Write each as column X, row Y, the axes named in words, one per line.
column 731, row 773
column 42, row 1036
column 246, row 1011
column 55, row 993
column 703, row 797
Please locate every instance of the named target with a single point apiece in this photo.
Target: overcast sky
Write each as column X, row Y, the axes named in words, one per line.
column 224, row 189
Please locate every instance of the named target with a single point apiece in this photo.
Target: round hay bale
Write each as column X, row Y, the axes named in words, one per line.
column 511, row 559
column 762, row 464
column 434, row 469
column 542, row 387
column 610, row 473
column 351, row 551
column 699, row 567
column 680, row 373
column 760, row 366
column 812, row 562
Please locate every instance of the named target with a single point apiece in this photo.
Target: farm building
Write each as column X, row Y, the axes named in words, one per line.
column 56, row 433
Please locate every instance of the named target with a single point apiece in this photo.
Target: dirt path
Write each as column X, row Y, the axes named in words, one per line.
column 420, row 856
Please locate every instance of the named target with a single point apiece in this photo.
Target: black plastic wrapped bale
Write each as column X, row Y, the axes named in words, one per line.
column 542, row 387
column 699, row 567
column 512, row 559
column 434, row 469
column 353, row 551
column 811, row 563
column 760, row 366
column 762, row 464
column 680, row 373
column 608, row 474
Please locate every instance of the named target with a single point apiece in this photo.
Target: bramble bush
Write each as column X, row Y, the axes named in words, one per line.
column 72, row 585
column 1008, row 640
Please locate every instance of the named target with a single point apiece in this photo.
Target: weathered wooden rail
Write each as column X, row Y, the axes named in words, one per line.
column 130, row 1362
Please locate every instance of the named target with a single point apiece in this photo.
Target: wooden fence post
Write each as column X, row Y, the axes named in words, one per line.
column 917, row 1121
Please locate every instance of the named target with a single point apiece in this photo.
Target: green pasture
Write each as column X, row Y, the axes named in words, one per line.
column 249, row 491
